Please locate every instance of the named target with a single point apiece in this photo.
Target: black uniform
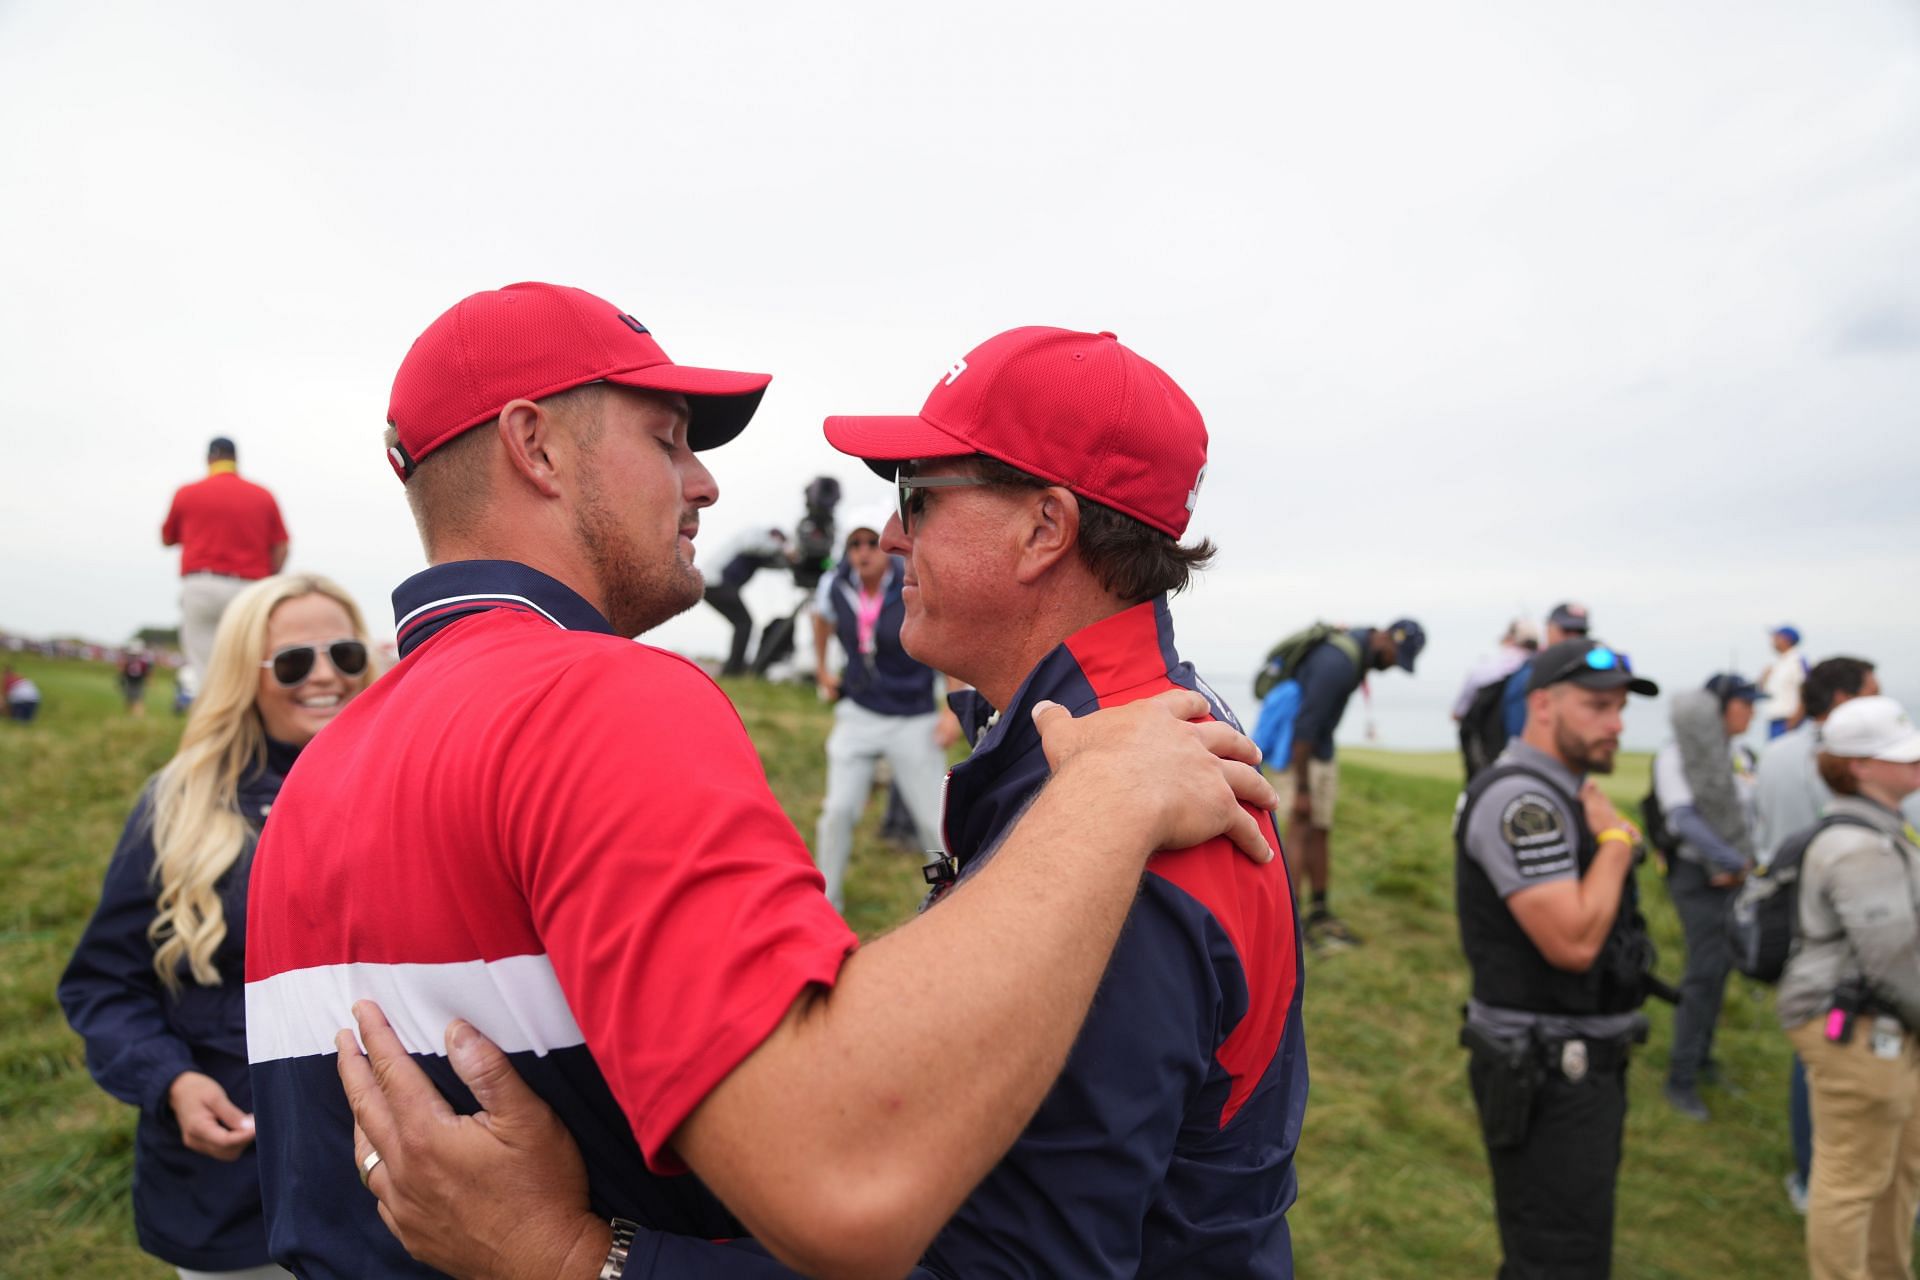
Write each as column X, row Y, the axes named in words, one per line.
column 1548, row 1064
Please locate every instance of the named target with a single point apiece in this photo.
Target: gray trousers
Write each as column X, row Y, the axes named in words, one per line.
column 859, row 739
column 1703, row 918
column 203, row 598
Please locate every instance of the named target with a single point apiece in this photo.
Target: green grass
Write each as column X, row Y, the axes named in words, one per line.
column 1630, row 780
column 1393, row 1178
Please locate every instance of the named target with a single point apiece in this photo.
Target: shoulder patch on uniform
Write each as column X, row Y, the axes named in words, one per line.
column 1530, row 820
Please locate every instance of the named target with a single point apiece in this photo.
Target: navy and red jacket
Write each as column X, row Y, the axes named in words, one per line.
column 1166, row 1147
column 888, row 681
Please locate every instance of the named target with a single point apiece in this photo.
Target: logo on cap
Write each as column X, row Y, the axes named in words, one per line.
column 953, row 374
column 633, row 324
column 1193, row 494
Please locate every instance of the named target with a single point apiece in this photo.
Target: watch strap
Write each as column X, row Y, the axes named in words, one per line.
column 616, row 1264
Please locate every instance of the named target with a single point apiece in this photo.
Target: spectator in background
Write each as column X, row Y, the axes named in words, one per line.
column 739, row 559
column 1780, row 682
column 23, row 696
column 1703, row 780
column 883, row 702
column 155, row 985
column 1789, row 795
column 1850, row 997
column 136, row 664
column 1479, row 707
column 1309, row 779
column 229, row 533
column 1567, row 621
column 1788, row 798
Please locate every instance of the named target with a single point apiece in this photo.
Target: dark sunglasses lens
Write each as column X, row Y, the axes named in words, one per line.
column 291, row 666
column 349, row 657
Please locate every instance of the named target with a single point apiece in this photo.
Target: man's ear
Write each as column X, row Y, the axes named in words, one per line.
column 529, row 432
column 1052, row 529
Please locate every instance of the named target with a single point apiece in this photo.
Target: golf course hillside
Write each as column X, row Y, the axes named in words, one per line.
column 1393, row 1179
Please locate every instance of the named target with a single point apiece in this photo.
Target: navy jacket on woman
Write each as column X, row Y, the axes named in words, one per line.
column 188, row 1209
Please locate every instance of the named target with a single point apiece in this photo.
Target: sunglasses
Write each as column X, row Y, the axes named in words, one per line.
column 913, row 493
column 1605, row 659
column 291, row 666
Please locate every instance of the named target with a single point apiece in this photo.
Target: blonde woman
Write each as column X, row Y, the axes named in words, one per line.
column 156, row 986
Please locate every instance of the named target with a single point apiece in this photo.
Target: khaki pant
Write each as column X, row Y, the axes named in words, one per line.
column 1323, row 788
column 203, row 598
column 1866, row 1154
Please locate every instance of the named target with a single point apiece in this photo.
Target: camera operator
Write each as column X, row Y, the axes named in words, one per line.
column 740, row 558
column 1560, row 958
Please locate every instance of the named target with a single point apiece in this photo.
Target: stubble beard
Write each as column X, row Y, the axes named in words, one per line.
column 640, row 591
column 1584, row 756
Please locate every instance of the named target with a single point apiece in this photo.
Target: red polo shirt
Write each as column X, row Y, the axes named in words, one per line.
column 562, row 836
column 224, row 525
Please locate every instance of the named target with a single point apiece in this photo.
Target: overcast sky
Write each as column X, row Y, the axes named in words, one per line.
column 1486, row 305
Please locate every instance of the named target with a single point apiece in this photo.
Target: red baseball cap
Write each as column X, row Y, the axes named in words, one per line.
column 528, row 341
column 1075, row 409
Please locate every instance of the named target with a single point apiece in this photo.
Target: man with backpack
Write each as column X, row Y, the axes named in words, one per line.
column 1305, row 686
column 1789, row 798
column 1477, row 710
column 1850, row 995
column 1561, row 963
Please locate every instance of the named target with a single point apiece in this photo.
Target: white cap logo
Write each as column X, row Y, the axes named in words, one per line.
column 953, row 374
column 1193, row 494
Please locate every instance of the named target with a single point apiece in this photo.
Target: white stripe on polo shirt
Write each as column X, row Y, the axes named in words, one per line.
column 516, row 1002
column 401, row 625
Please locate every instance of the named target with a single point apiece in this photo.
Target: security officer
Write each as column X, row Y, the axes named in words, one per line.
column 1561, row 960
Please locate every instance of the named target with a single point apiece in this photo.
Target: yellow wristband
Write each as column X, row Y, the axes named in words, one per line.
column 1614, row 833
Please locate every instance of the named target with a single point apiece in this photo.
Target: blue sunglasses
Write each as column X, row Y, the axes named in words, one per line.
column 1605, row 659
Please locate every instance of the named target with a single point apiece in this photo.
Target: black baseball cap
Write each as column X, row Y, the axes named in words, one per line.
column 1589, row 664
column 1570, row 617
column 220, row 447
column 1729, row 687
column 1409, row 638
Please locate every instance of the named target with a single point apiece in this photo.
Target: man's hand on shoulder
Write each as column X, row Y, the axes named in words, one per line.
column 1189, row 779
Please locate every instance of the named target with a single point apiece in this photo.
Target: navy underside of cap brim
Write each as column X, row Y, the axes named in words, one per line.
column 1602, row 681
column 720, row 402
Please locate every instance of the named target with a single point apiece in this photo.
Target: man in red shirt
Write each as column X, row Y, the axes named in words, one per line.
column 229, row 533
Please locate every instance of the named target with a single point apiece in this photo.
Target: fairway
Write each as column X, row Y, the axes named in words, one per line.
column 1393, row 1180
column 1630, row 780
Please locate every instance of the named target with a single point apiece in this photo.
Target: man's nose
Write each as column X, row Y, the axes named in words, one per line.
column 697, row 484
column 893, row 539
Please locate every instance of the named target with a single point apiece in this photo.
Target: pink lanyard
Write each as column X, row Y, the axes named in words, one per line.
column 866, row 616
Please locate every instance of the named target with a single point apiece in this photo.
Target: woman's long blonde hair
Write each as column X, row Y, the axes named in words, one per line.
column 194, row 801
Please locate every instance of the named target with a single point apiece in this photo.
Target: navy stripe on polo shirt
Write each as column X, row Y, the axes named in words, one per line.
column 558, row 834
column 1166, row 1147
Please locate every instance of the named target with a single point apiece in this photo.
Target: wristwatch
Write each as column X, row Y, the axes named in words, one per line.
column 616, row 1264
